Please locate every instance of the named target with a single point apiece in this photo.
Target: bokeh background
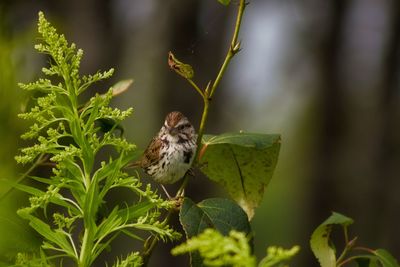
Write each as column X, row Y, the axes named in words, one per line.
column 323, row 74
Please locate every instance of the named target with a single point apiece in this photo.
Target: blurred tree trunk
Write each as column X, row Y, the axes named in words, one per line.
column 332, row 117
column 385, row 203
column 336, row 183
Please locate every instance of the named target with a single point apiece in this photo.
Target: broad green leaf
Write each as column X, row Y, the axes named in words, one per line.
column 243, row 163
column 386, row 258
column 221, row 214
column 320, row 239
column 224, row 2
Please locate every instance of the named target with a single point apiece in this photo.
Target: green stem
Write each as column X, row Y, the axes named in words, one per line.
column 346, row 235
column 233, row 49
column 343, row 254
column 202, row 124
column 196, row 87
column 85, row 249
column 348, row 260
column 151, row 242
column 347, row 246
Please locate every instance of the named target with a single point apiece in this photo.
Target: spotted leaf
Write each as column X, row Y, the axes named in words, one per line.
column 243, row 163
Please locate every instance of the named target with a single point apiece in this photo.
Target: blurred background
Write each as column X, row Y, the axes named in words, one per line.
column 323, row 74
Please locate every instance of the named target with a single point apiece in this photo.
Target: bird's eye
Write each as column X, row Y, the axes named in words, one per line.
column 181, row 127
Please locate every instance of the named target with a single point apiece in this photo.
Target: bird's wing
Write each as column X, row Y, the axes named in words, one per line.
column 152, row 152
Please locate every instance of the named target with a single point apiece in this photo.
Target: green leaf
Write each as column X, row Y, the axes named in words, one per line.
column 320, row 239
column 109, row 224
column 222, row 214
column 367, row 261
column 243, row 163
column 91, row 205
column 25, row 188
column 135, row 211
column 224, row 2
column 386, row 258
column 55, row 237
column 185, row 70
column 121, row 86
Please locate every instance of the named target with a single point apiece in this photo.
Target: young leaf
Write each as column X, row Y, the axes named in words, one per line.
column 185, row 70
column 222, row 214
column 320, row 239
column 386, row 258
column 243, row 163
column 224, row 2
column 121, row 86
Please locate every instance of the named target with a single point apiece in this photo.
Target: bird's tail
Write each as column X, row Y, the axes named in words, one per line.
column 133, row 165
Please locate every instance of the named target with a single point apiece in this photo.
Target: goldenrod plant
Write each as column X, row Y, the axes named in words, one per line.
column 67, row 135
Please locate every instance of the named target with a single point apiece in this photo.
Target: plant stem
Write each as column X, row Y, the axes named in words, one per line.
column 346, row 236
column 83, row 258
column 202, row 124
column 207, row 94
column 233, row 49
column 339, row 264
column 196, row 87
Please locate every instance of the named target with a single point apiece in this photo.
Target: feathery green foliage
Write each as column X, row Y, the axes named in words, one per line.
column 232, row 250
column 132, row 260
column 67, row 136
column 277, row 256
column 219, row 250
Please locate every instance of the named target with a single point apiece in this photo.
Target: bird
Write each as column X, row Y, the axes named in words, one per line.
column 170, row 154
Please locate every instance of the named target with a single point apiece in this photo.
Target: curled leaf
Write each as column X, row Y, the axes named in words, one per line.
column 320, row 239
column 185, row 70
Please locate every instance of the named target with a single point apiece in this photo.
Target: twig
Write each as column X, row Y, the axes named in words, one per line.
column 207, row 94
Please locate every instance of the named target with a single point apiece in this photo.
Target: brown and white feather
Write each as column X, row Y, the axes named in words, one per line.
column 170, row 153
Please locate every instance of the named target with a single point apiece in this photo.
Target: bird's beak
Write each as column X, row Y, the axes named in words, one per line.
column 173, row 131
